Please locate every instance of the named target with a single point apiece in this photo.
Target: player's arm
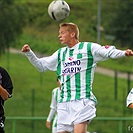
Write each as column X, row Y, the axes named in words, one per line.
column 53, row 109
column 4, row 93
column 41, row 64
column 102, row 53
column 50, row 117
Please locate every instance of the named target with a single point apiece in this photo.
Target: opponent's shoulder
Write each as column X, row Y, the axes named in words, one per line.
column 3, row 70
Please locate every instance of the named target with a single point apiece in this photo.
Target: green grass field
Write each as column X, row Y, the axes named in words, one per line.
column 27, row 79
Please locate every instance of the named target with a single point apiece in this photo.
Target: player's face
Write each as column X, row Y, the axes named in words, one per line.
column 64, row 36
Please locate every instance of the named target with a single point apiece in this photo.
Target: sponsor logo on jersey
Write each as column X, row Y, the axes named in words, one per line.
column 70, row 58
column 71, row 67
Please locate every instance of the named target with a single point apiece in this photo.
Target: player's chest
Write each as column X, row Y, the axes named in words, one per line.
column 73, row 59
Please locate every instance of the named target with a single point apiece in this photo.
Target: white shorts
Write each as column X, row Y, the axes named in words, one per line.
column 74, row 112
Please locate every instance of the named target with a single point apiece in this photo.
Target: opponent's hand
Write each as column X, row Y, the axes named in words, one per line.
column 129, row 52
column 4, row 93
column 25, row 48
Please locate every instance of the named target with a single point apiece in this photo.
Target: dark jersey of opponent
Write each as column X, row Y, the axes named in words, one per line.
column 6, row 83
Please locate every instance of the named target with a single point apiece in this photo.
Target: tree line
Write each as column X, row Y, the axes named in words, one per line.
column 14, row 17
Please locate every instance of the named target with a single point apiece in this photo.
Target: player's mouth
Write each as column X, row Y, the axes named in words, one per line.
column 61, row 40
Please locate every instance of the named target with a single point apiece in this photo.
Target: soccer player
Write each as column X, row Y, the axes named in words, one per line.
column 130, row 99
column 53, row 110
column 75, row 66
column 6, row 87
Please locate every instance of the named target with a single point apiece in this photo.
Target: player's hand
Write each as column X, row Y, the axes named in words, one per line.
column 48, row 124
column 129, row 52
column 25, row 48
column 130, row 106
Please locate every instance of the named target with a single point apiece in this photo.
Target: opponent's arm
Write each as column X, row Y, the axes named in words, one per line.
column 3, row 93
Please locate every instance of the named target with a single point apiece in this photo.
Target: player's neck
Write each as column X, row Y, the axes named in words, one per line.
column 73, row 43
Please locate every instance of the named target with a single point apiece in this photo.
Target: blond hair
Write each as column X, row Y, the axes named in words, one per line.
column 71, row 28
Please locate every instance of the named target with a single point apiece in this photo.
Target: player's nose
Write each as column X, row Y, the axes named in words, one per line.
column 59, row 36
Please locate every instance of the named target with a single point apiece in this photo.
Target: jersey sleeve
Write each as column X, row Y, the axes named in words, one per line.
column 102, row 53
column 129, row 98
column 51, row 115
column 45, row 63
column 53, row 104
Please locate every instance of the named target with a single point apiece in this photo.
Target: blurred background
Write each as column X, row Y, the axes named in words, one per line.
column 107, row 22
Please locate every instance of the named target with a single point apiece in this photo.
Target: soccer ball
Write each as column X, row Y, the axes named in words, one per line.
column 58, row 10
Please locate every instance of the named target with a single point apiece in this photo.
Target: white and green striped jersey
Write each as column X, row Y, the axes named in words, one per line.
column 55, row 98
column 53, row 106
column 75, row 67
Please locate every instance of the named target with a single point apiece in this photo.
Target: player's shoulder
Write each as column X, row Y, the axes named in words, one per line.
column 62, row 48
column 132, row 90
column 95, row 46
column 1, row 68
column 55, row 89
column 90, row 43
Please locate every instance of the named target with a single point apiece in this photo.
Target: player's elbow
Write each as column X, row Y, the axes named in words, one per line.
column 40, row 70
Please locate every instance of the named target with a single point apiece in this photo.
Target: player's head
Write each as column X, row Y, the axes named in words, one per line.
column 72, row 28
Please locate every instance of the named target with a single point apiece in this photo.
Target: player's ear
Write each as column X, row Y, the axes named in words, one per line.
column 73, row 34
